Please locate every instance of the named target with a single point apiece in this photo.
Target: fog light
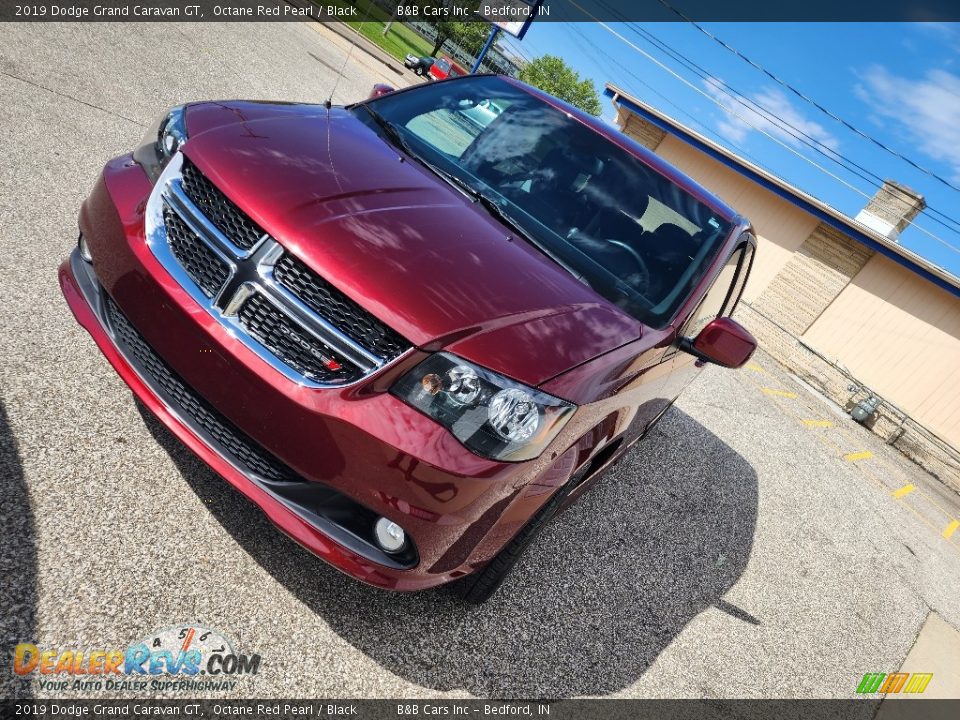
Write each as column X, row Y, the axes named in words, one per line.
column 84, row 250
column 390, row 536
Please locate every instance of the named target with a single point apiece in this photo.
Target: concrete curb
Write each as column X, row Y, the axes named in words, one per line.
column 348, row 33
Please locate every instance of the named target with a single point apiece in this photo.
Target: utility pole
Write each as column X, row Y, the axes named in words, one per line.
column 396, row 11
column 494, row 31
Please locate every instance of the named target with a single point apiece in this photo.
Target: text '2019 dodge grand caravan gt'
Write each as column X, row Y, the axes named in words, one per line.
column 408, row 337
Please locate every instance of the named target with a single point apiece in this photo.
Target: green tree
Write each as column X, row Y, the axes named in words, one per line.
column 468, row 35
column 552, row 75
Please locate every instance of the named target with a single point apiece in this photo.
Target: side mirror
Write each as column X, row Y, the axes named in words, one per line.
column 380, row 89
column 723, row 342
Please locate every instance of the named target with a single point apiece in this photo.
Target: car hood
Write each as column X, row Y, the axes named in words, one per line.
column 400, row 241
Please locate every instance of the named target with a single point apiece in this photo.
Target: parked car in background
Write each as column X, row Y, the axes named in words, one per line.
column 419, row 64
column 412, row 366
column 446, row 67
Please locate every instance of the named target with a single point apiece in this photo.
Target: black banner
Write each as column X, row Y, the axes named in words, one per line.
column 476, row 10
column 896, row 709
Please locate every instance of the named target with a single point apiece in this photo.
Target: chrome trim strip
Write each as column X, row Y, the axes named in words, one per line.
column 294, row 307
column 244, row 280
column 242, row 294
column 193, row 216
column 308, row 328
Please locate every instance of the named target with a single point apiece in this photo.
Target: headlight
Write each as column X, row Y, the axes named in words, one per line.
column 493, row 416
column 173, row 133
column 162, row 141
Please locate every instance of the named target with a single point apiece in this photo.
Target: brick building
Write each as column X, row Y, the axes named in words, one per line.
column 837, row 299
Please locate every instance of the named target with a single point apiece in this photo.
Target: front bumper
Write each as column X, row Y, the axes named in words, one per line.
column 358, row 452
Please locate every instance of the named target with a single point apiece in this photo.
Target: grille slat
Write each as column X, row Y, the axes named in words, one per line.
column 207, row 270
column 219, row 209
column 235, row 441
column 338, row 309
column 293, row 345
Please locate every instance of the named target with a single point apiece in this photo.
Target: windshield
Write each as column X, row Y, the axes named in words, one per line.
column 631, row 234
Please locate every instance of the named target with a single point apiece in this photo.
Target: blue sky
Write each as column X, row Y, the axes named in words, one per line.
column 899, row 83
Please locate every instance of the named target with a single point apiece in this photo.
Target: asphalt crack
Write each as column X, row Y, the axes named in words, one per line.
column 71, row 97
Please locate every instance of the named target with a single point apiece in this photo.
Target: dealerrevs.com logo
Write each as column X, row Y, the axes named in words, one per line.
column 183, row 657
column 894, row 683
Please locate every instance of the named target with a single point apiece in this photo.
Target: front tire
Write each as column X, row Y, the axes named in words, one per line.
column 419, row 71
column 479, row 587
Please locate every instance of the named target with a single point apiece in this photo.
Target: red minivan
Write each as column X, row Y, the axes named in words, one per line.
column 446, row 67
column 410, row 338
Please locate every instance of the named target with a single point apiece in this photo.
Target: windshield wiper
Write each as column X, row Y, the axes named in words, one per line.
column 490, row 205
column 395, row 138
column 495, row 209
column 392, row 134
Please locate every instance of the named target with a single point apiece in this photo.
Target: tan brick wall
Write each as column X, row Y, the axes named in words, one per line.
column 645, row 133
column 896, row 204
column 907, row 436
column 812, row 278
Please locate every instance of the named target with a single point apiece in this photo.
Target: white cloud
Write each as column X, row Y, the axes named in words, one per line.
column 943, row 30
column 925, row 110
column 740, row 120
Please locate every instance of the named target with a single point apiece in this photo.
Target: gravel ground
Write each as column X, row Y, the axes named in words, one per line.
column 732, row 553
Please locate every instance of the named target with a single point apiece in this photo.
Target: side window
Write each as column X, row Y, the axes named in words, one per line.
column 722, row 297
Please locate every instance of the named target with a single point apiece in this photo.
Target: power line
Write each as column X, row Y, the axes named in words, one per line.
column 806, row 98
column 590, row 52
column 773, row 120
column 779, row 142
column 754, row 107
column 810, row 141
column 581, row 41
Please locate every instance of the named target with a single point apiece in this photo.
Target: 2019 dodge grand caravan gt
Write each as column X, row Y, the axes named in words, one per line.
column 409, row 338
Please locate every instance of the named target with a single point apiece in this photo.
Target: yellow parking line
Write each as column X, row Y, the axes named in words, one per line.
column 922, row 519
column 756, row 368
column 779, row 393
column 824, row 439
column 818, row 423
column 905, row 490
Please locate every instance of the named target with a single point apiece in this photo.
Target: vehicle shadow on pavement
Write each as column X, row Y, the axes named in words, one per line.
column 603, row 590
column 18, row 562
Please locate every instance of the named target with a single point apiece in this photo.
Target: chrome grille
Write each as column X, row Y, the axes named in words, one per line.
column 207, row 270
column 326, row 300
column 315, row 359
column 283, row 311
column 219, row 209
